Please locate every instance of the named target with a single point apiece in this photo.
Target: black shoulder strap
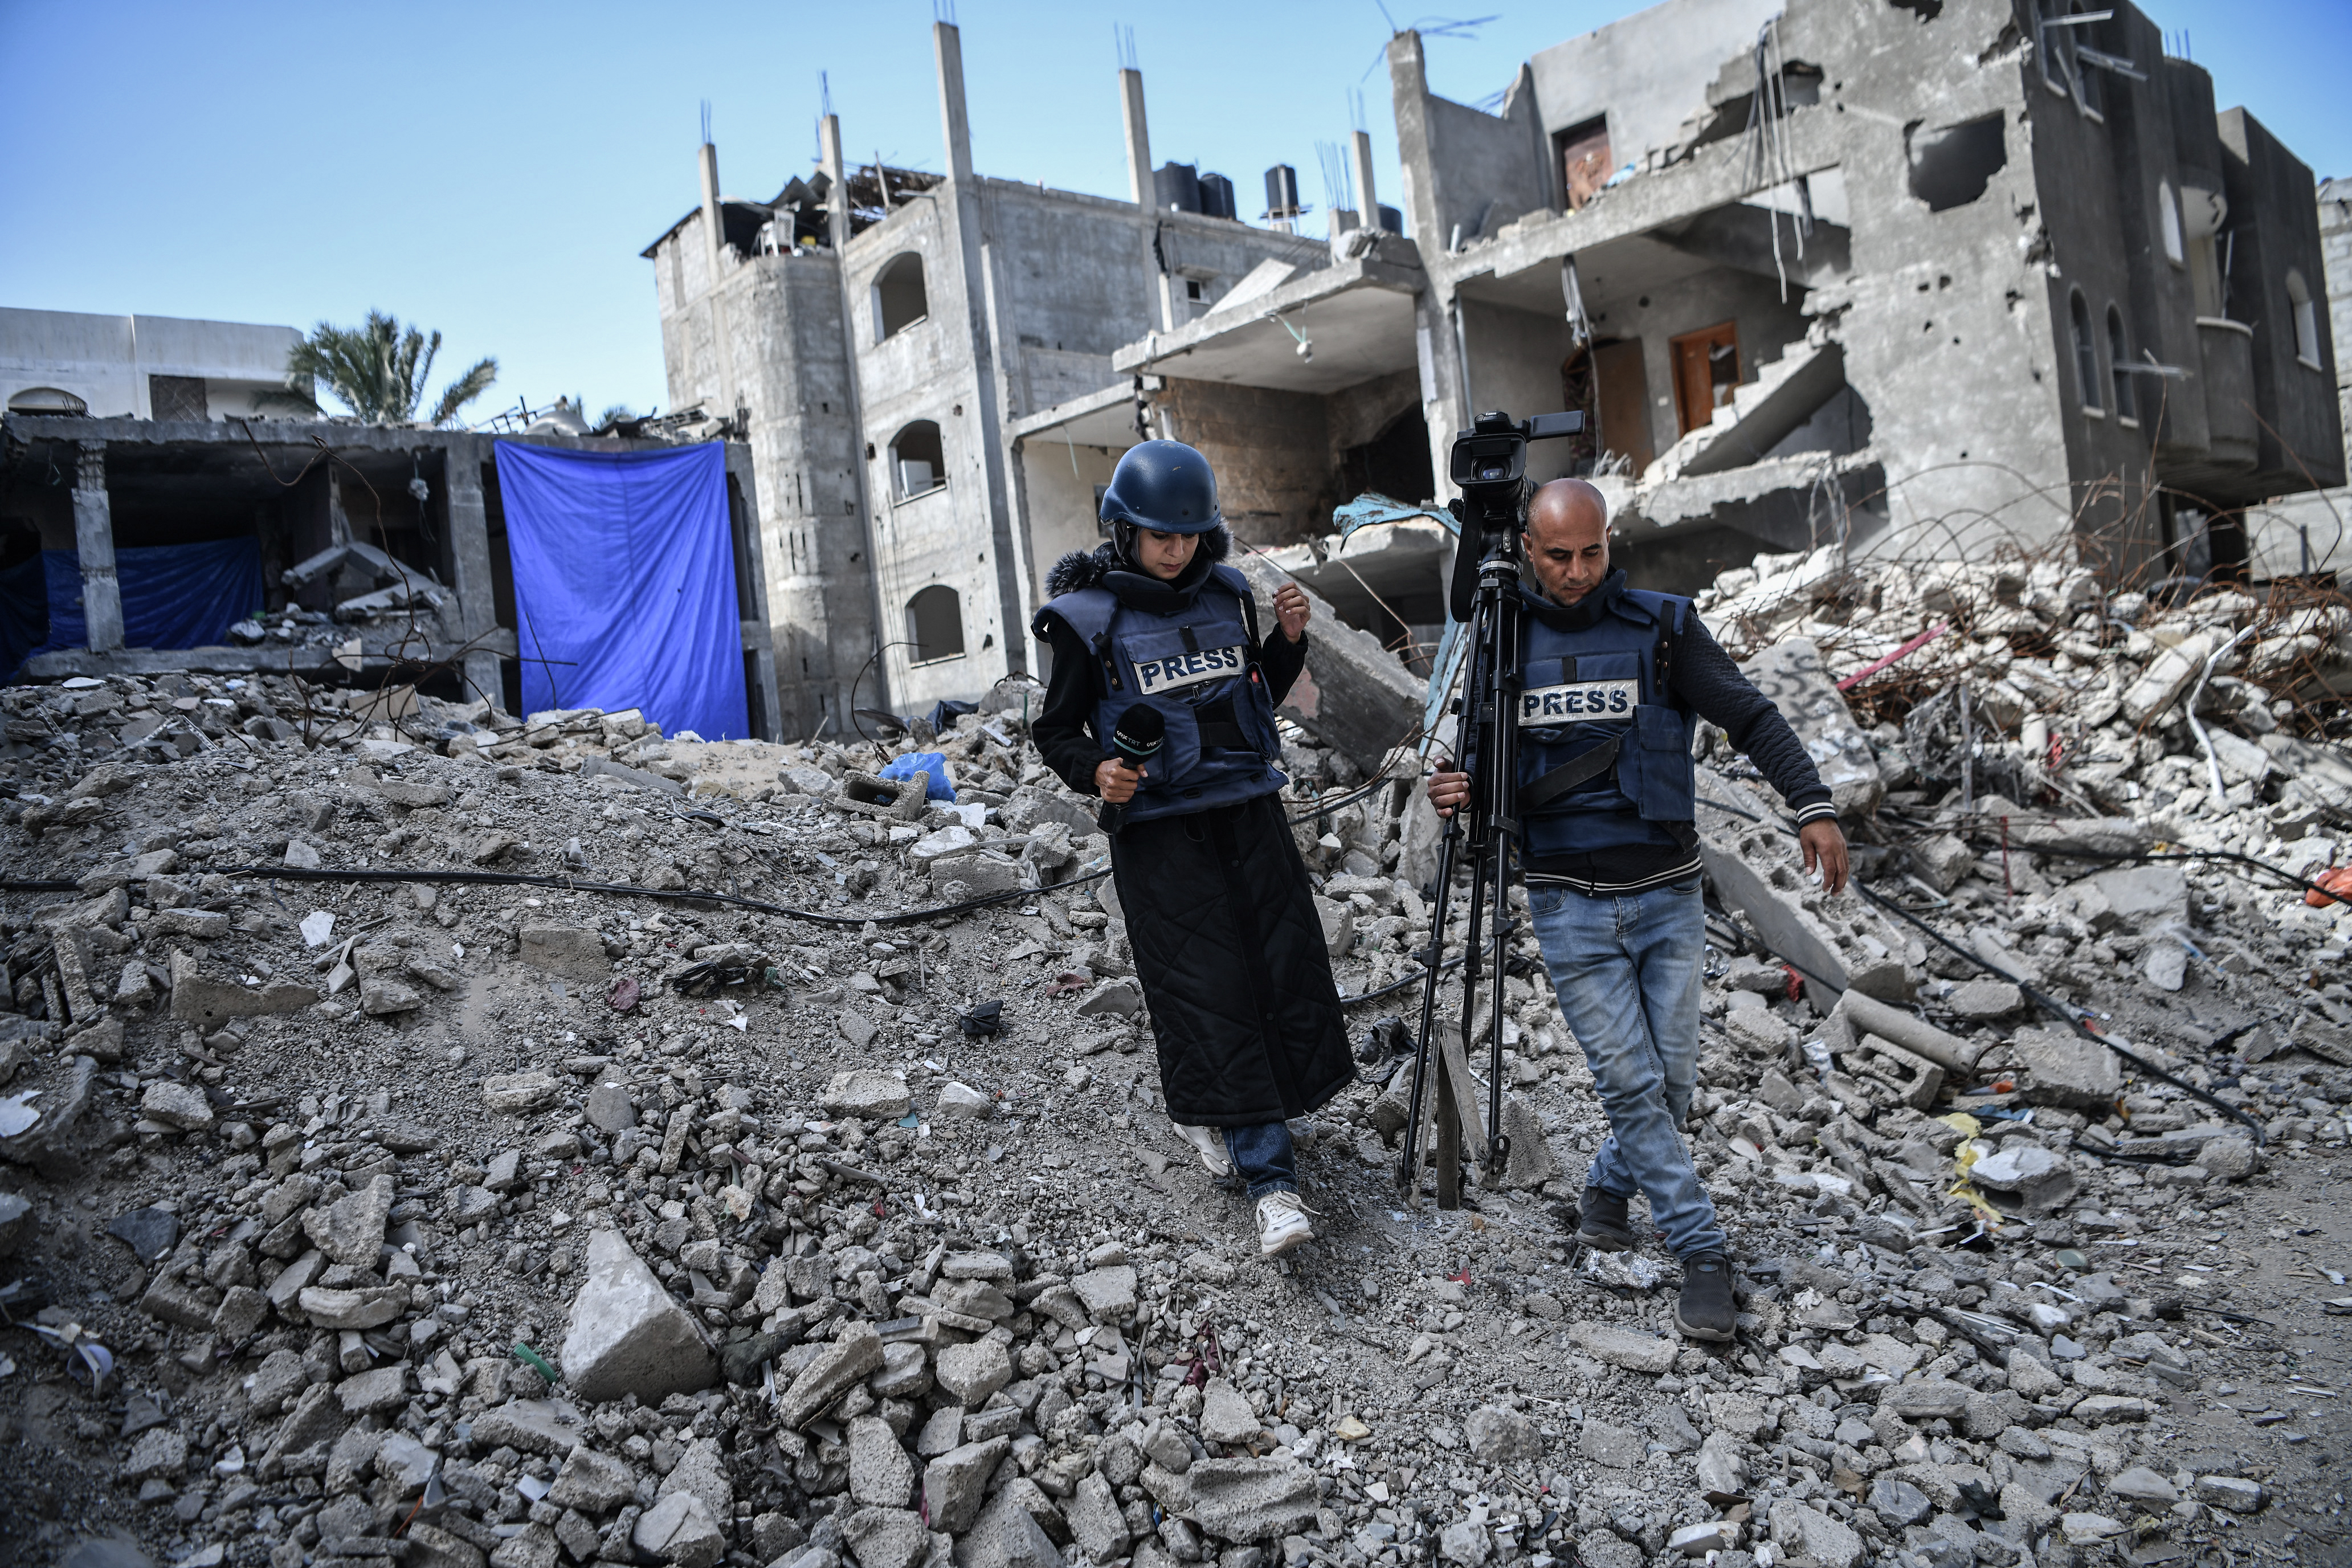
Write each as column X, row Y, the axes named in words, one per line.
column 1583, row 768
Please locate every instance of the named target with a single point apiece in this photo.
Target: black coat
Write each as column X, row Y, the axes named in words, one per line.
column 1219, row 912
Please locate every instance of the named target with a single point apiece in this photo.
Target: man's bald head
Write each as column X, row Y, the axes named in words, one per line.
column 1567, row 539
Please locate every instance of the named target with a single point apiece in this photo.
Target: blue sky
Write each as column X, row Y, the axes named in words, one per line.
column 493, row 170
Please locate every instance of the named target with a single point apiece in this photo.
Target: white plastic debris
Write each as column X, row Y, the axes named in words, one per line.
column 17, row 1114
column 317, row 928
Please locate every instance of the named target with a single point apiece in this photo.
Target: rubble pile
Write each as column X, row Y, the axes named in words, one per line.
column 449, row 1222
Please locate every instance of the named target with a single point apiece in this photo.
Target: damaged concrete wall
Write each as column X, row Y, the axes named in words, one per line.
column 1270, row 450
column 1644, row 74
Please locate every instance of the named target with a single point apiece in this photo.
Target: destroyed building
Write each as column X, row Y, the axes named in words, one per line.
column 1907, row 280
column 139, row 367
column 351, row 555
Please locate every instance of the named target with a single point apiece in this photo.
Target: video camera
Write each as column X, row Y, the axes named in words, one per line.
column 1489, row 466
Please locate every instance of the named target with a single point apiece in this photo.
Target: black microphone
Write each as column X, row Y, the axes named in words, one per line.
column 1141, row 731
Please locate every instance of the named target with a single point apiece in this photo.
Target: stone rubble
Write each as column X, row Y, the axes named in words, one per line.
column 476, row 1224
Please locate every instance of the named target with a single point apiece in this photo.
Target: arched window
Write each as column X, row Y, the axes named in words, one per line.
column 46, row 400
column 918, row 464
column 2086, row 353
column 2167, row 217
column 898, row 298
column 935, row 624
column 2306, row 319
column 2119, row 365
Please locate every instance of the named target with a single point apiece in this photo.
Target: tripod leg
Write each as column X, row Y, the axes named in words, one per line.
column 1497, row 1146
column 1449, row 1143
column 1408, row 1164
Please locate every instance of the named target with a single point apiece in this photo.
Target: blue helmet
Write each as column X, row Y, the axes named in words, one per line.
column 1165, row 486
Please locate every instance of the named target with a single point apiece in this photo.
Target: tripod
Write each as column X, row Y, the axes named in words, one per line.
column 1489, row 464
column 1488, row 707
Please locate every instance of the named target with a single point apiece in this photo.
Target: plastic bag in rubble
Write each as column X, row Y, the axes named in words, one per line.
column 1622, row 1270
column 935, row 764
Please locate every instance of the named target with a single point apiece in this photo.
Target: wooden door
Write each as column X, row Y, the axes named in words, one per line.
column 1707, row 371
column 1624, row 401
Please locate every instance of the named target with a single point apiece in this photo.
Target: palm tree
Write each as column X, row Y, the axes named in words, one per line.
column 378, row 372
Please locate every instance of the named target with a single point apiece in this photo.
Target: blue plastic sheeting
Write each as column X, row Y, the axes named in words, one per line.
column 932, row 763
column 625, row 584
column 173, row 596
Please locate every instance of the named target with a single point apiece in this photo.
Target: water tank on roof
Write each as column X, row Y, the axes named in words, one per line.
column 1175, row 187
column 1282, row 192
column 1216, row 197
column 1392, row 219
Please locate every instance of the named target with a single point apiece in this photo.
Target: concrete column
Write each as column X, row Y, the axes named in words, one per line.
column 846, row 661
column 338, row 522
column 1139, row 140
column 93, row 514
column 714, row 244
column 469, row 558
column 947, row 45
column 962, row 210
column 1368, row 205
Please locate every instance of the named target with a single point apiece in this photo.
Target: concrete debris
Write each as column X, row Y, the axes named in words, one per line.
column 822, row 1277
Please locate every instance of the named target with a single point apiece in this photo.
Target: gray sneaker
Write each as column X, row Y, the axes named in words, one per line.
column 1602, row 1222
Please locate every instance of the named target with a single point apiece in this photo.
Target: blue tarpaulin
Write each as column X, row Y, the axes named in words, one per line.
column 173, row 596
column 625, row 584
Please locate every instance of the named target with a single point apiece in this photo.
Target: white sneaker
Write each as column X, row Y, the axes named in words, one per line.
column 1281, row 1224
column 1210, row 1144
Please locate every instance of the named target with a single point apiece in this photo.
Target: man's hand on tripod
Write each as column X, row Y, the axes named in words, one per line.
column 1447, row 790
column 1823, row 842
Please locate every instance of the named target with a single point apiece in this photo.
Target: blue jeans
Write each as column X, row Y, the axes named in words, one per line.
column 1263, row 1156
column 1626, row 969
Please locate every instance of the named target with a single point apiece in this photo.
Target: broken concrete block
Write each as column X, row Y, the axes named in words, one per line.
column 177, row 1105
column 1613, row 1445
column 1628, row 1348
column 514, row 1093
column 17, row 1222
column 973, row 1372
column 2041, row 1179
column 2231, row 1493
column 880, row 1473
column 593, row 1483
column 679, row 1530
column 959, row 1101
column 1252, row 1499
column 2135, row 898
column 1007, row 1534
column 847, row 1360
column 867, row 1093
column 1118, row 998
column 628, row 1334
column 1530, row 1161
column 1791, row 672
column 1982, row 1001
column 350, row 1230
column 886, row 1537
column 1802, row 1531
column 955, row 1484
column 958, row 879
column 2068, row 1071
column 362, row 1308
column 1500, row 1437
column 196, row 1000
column 1338, row 926
column 1866, row 1016
column 2166, row 678
column 1108, row 1293
column 1354, row 695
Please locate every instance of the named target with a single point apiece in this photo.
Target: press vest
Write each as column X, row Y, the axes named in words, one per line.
column 1196, row 665
column 1581, row 690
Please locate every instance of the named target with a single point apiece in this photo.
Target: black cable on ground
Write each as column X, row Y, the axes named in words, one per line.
column 2049, row 1004
column 2138, row 855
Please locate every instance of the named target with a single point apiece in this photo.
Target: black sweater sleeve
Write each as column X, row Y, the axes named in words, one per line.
column 1710, row 684
column 1064, row 730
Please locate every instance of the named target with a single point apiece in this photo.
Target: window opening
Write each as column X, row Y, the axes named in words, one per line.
column 2119, row 365
column 1584, row 161
column 176, row 397
column 2306, row 320
column 899, row 301
column 1951, row 167
column 935, row 624
column 1707, row 372
column 2167, row 217
column 917, row 463
column 2086, row 353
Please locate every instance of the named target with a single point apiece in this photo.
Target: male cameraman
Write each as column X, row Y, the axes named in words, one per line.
column 1614, row 681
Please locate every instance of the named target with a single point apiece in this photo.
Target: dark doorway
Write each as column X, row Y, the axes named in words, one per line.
column 1623, row 394
column 1707, row 371
column 1395, row 462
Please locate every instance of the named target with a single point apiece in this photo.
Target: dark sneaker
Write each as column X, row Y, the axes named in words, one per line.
column 1705, row 1311
column 1600, row 1222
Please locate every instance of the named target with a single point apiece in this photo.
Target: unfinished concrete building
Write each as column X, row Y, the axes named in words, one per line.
column 922, row 365
column 1934, row 276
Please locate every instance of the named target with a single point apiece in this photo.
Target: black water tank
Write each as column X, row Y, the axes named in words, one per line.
column 1392, row 219
column 1175, row 186
column 1282, row 191
column 1216, row 197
